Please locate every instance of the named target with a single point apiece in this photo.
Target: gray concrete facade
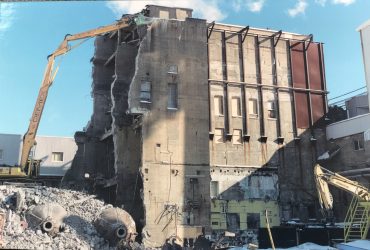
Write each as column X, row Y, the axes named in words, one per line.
column 357, row 105
column 174, row 113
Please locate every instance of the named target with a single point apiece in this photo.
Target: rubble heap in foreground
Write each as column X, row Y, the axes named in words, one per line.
column 79, row 231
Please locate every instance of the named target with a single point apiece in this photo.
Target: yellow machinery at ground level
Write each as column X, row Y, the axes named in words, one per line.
column 357, row 220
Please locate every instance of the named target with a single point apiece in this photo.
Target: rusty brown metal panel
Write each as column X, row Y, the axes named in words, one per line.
column 313, row 58
column 298, row 65
column 301, row 106
column 318, row 108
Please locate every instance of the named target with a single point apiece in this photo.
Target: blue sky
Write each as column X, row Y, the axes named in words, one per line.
column 31, row 31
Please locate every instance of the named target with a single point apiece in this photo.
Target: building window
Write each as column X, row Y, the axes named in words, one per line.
column 172, row 96
column 214, row 223
column 1, row 154
column 237, row 136
column 271, row 109
column 219, row 135
column 145, row 92
column 57, row 156
column 358, row 144
column 253, row 220
column 367, row 135
column 164, row 14
column 233, row 222
column 252, row 106
column 236, row 107
column 214, row 189
column 219, row 105
column 172, row 69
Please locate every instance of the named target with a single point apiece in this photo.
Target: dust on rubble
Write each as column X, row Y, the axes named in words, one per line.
column 77, row 231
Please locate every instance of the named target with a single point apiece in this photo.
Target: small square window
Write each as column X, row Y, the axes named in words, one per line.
column 358, row 145
column 237, row 136
column 236, row 107
column 172, row 69
column 214, row 223
column 252, row 106
column 219, row 135
column 145, row 92
column 219, row 105
column 1, row 154
column 57, row 156
column 271, row 109
column 214, row 189
column 172, row 96
column 164, row 14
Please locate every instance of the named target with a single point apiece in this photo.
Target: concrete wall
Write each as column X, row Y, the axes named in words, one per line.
column 352, row 161
column 175, row 154
column 256, row 140
column 364, row 30
column 242, row 209
column 10, row 146
column 155, row 160
column 168, row 12
column 357, row 105
column 352, row 138
column 148, row 158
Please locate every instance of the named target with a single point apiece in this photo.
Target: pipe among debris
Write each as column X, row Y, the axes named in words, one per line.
column 48, row 217
column 47, row 226
column 115, row 225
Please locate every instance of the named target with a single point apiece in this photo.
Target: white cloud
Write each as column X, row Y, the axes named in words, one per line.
column 321, row 2
column 299, row 8
column 255, row 5
column 207, row 9
column 7, row 11
column 344, row 2
column 237, row 5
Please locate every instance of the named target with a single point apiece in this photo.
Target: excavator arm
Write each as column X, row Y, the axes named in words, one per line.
column 323, row 177
column 49, row 75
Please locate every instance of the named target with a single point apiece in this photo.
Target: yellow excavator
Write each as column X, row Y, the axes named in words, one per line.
column 28, row 166
column 357, row 220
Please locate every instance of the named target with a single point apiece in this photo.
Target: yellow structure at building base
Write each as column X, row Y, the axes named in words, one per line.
column 243, row 215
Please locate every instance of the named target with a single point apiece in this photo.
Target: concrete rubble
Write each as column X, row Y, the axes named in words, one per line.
column 75, row 225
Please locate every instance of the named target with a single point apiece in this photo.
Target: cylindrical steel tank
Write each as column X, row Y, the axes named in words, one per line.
column 115, row 224
column 49, row 218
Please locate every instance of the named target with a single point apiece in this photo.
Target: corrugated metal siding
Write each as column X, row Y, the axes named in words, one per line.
column 301, row 105
column 310, row 79
column 314, row 71
column 317, row 101
column 298, row 66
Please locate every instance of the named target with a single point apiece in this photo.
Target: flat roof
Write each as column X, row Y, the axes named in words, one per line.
column 260, row 31
column 161, row 6
column 364, row 25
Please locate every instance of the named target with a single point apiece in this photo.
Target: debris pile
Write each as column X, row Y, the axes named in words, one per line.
column 62, row 219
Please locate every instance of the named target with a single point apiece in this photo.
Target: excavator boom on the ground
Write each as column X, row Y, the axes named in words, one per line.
column 29, row 167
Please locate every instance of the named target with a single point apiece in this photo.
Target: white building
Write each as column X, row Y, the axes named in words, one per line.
column 357, row 105
column 364, row 30
column 10, row 146
column 55, row 152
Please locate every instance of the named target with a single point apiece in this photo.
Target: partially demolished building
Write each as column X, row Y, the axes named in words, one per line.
column 198, row 127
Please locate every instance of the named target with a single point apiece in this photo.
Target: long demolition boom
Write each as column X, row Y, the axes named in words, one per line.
column 49, row 75
column 324, row 177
